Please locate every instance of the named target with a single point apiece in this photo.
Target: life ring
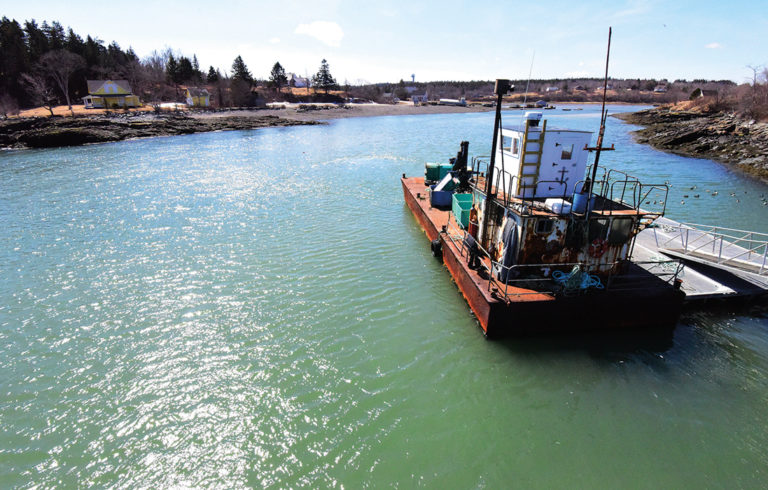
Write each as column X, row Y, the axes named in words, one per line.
column 597, row 248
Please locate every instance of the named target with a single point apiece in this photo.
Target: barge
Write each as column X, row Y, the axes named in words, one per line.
column 538, row 241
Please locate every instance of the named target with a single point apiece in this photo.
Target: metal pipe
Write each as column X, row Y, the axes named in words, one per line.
column 502, row 87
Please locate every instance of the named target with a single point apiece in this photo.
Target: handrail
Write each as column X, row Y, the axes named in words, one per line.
column 458, row 237
column 739, row 243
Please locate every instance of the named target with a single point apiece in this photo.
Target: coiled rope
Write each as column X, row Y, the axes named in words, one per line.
column 577, row 279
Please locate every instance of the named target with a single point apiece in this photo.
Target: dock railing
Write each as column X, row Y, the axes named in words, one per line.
column 742, row 249
column 552, row 279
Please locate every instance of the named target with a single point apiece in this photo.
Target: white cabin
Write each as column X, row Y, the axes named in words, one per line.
column 538, row 161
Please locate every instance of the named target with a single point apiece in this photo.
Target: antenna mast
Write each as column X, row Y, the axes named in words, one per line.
column 590, row 183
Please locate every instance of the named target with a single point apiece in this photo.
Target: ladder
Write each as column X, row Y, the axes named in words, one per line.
column 530, row 159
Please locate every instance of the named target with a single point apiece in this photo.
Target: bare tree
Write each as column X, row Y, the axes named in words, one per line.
column 240, row 91
column 39, row 90
column 223, row 94
column 154, row 71
column 755, row 69
column 60, row 65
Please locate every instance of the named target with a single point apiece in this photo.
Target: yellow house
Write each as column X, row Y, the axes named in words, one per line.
column 110, row 94
column 198, row 97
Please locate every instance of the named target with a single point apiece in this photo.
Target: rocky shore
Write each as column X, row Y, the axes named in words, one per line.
column 725, row 138
column 72, row 131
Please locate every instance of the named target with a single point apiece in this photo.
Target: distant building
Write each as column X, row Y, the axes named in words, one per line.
column 579, row 87
column 419, row 99
column 459, row 102
column 660, row 89
column 390, row 97
column 109, row 94
column 541, row 103
column 552, row 89
column 410, row 90
column 296, row 81
column 700, row 92
column 198, row 97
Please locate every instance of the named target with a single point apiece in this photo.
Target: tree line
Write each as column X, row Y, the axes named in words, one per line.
column 44, row 64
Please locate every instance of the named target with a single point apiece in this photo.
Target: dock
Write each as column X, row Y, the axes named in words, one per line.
column 720, row 263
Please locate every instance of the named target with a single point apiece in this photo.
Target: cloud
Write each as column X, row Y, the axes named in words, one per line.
column 713, row 46
column 274, row 40
column 329, row 33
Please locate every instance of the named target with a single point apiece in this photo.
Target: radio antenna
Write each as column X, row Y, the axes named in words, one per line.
column 603, row 115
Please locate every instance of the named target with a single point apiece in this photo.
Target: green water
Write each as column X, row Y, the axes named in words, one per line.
column 260, row 309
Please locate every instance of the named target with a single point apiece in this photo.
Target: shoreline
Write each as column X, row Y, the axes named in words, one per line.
column 67, row 130
column 736, row 143
column 322, row 112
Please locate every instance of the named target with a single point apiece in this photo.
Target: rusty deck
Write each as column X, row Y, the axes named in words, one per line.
column 524, row 311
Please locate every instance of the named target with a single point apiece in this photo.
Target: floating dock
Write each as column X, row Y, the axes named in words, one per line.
column 720, row 263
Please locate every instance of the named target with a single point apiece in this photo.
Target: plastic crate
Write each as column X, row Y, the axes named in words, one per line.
column 439, row 199
column 462, row 203
column 434, row 172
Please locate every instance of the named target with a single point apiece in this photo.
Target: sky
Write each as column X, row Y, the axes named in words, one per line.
column 386, row 41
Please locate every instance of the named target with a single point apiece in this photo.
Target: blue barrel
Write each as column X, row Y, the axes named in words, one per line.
column 580, row 202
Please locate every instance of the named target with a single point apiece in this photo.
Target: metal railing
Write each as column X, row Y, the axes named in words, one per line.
column 613, row 186
column 742, row 249
column 538, row 278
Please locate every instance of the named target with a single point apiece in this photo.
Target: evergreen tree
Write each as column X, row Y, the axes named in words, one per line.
column 171, row 68
column 213, row 75
column 323, row 79
column 37, row 41
column 93, row 51
column 240, row 71
column 199, row 76
column 13, row 58
column 185, row 71
column 277, row 76
column 74, row 43
column 55, row 35
column 115, row 59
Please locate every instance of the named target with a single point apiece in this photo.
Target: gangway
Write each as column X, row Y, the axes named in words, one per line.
column 740, row 252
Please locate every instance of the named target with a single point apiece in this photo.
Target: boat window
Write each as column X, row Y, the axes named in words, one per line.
column 620, row 231
column 544, row 226
column 506, row 143
column 515, row 146
column 597, row 229
column 567, row 152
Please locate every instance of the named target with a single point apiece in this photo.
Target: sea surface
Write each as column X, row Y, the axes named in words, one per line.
column 260, row 309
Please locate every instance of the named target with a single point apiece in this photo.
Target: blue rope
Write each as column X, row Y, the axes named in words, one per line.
column 577, row 279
